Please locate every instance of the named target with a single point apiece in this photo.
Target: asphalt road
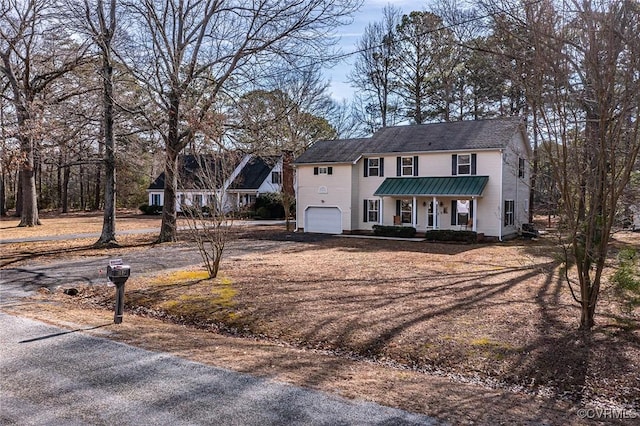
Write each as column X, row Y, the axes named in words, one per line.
column 66, row 377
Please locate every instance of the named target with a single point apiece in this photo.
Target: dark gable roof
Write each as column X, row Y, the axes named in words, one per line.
column 335, row 151
column 200, row 171
column 450, row 136
column 254, row 173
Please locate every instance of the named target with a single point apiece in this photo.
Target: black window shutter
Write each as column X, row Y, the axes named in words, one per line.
column 454, row 164
column 315, row 170
column 330, row 170
column 473, row 164
column 366, row 167
column 398, row 207
column 415, row 165
column 398, row 166
column 470, row 208
column 454, row 212
column 365, row 217
column 381, row 167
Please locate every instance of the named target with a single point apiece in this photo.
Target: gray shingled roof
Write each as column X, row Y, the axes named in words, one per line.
column 200, row 171
column 254, row 173
column 335, row 151
column 451, row 136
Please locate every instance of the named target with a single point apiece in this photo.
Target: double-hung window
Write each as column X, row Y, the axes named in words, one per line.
column 464, row 164
column 521, row 167
column 373, row 167
column 155, row 199
column 371, row 210
column 406, row 211
column 407, row 166
column 509, row 206
column 276, row 178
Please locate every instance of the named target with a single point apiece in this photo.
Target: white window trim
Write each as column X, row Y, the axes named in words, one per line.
column 410, row 211
column 509, row 214
column 465, row 164
column 375, row 210
column 370, row 167
column 402, row 166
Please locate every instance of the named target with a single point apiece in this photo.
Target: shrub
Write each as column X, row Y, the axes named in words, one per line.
column 150, row 209
column 263, row 212
column 272, row 202
column 451, row 235
column 626, row 276
column 394, row 231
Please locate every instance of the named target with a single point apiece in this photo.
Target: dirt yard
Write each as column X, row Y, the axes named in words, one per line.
column 417, row 325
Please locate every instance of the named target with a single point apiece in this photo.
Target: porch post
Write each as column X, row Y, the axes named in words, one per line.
column 414, row 213
column 380, row 218
column 474, row 227
column 436, row 218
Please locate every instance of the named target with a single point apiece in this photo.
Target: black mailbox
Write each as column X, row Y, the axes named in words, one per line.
column 118, row 274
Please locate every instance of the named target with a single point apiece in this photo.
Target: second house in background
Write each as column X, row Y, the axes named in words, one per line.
column 231, row 180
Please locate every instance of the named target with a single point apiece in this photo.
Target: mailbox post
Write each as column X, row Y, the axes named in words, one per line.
column 118, row 274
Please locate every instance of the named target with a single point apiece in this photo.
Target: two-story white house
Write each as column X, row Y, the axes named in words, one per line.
column 466, row 175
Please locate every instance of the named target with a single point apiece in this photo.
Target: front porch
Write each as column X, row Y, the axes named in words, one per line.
column 431, row 203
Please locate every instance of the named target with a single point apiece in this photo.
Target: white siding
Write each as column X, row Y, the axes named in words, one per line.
column 515, row 188
column 324, row 190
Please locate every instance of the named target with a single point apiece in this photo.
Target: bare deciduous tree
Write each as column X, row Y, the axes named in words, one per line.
column 373, row 71
column 209, row 220
column 587, row 104
column 188, row 52
column 35, row 51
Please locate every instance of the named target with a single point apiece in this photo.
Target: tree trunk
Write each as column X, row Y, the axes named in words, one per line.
column 168, row 229
column 587, row 312
column 65, row 188
column 29, row 212
column 108, row 235
column 3, row 208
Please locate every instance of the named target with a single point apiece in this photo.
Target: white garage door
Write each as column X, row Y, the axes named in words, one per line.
column 326, row 220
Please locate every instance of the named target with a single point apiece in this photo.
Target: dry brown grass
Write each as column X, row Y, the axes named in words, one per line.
column 451, row 317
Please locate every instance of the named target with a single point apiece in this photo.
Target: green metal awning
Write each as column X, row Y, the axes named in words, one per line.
column 467, row 186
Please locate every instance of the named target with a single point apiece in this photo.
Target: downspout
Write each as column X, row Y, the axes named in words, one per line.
column 501, row 206
column 295, row 190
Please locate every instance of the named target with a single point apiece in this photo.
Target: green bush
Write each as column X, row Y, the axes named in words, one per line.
column 451, row 235
column 626, row 276
column 150, row 209
column 263, row 213
column 272, row 202
column 394, row 231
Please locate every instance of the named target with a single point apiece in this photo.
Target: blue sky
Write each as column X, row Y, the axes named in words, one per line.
column 371, row 11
